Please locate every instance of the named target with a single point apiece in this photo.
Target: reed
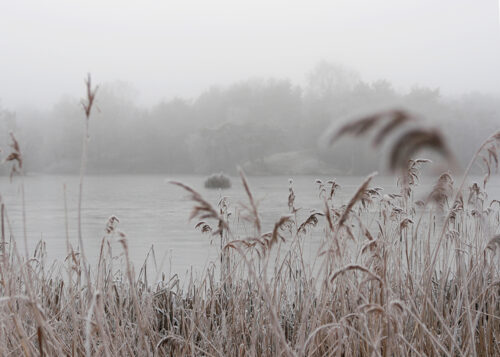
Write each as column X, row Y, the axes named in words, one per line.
column 392, row 277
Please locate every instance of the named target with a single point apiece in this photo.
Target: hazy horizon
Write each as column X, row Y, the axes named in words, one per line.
column 180, row 49
column 250, row 178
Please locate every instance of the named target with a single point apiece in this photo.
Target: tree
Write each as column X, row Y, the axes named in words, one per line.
column 328, row 80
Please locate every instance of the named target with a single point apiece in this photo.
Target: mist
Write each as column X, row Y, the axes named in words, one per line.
column 249, row 178
column 181, row 48
column 196, row 87
column 267, row 126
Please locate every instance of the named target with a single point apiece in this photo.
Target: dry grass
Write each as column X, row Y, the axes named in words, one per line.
column 370, row 291
column 406, row 145
column 393, row 277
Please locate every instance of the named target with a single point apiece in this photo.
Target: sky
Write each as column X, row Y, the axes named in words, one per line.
column 173, row 48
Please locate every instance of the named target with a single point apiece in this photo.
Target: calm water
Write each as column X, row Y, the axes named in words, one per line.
column 153, row 212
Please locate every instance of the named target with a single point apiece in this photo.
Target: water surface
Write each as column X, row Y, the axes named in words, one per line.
column 153, row 212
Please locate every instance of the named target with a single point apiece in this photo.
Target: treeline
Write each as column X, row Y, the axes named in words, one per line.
column 268, row 126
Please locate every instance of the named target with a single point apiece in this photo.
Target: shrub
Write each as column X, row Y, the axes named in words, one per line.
column 218, row 181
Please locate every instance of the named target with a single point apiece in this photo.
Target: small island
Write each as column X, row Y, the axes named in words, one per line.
column 218, row 181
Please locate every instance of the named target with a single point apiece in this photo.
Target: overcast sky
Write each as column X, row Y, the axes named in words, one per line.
column 179, row 48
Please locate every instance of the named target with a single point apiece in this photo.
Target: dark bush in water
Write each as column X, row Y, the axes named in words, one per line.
column 218, row 181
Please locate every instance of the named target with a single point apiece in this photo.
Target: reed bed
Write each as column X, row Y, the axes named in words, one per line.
column 394, row 276
column 391, row 277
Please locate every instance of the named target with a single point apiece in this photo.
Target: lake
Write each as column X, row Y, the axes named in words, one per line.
column 153, row 212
